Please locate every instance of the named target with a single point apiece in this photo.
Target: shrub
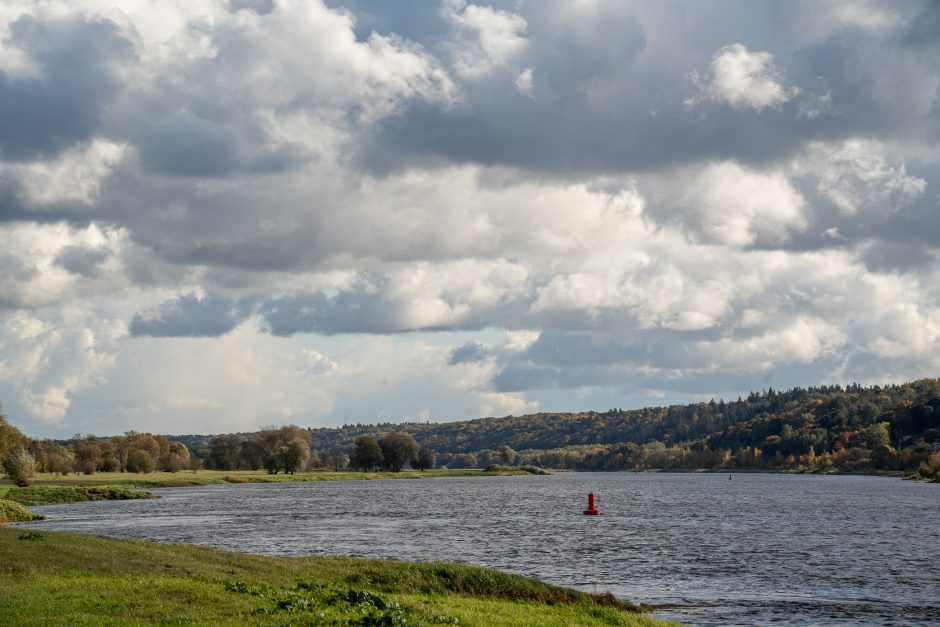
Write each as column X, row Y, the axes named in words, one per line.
column 19, row 466
column 534, row 470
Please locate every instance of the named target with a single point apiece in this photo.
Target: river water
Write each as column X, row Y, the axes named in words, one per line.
column 754, row 550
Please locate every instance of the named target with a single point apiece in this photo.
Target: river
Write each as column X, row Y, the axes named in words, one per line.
column 753, row 550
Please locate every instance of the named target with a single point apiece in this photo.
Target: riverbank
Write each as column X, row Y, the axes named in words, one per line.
column 51, row 578
column 48, row 489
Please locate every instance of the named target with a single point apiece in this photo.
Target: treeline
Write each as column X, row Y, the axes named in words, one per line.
column 274, row 449
column 835, row 428
column 842, row 411
column 289, row 449
column 823, row 428
column 133, row 452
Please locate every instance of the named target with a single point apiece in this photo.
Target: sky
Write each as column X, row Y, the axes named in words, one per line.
column 218, row 215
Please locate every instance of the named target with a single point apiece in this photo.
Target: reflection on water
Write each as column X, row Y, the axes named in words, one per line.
column 782, row 549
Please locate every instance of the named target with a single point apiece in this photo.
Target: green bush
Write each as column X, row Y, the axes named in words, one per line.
column 19, row 466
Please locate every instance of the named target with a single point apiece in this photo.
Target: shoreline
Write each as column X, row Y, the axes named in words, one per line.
column 54, row 575
column 47, row 489
column 88, row 579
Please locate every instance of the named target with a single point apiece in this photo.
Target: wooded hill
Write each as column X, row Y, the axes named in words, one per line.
column 817, row 429
column 851, row 428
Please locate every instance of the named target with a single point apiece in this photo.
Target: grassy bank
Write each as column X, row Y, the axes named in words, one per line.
column 48, row 489
column 209, row 477
column 50, row 495
column 56, row 578
column 11, row 511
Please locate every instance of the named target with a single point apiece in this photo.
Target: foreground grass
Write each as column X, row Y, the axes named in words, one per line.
column 56, row 578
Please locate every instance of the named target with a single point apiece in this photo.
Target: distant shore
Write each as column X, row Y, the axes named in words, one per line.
column 49, row 489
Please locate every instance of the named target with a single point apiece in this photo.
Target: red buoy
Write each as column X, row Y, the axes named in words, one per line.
column 591, row 510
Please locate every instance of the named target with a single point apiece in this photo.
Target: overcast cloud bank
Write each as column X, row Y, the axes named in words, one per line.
column 218, row 215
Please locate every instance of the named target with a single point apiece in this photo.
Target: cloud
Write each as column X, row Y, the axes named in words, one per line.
column 47, row 361
column 358, row 210
column 856, row 176
column 189, row 316
column 469, row 352
column 81, row 260
column 73, row 178
column 48, row 265
column 78, row 60
column 726, row 204
column 743, row 80
column 487, row 38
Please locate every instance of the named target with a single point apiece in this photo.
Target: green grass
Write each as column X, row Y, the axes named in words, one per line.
column 50, row 495
column 208, row 477
column 11, row 511
column 48, row 489
column 56, row 578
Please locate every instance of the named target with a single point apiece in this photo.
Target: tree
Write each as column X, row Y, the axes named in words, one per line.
column 141, row 460
column 365, row 454
column 10, row 436
column 224, row 452
column 250, row 454
column 176, row 458
column 468, row 460
column 19, row 466
column 877, row 435
column 426, row 459
column 54, row 458
column 293, row 454
column 154, row 447
column 87, row 454
column 397, row 450
column 337, row 460
column 283, row 448
column 506, row 455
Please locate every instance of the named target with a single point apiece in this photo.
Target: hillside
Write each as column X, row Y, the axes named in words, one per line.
column 819, row 429
column 854, row 428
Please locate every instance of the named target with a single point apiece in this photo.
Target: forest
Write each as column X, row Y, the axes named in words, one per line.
column 893, row 428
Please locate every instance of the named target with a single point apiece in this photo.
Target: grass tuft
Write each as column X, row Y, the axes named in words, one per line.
column 31, row 536
column 11, row 511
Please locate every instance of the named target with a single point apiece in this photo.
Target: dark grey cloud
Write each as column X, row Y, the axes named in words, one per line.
column 13, row 273
column 78, row 57
column 185, row 145
column 83, row 261
column 469, row 353
column 189, row 316
column 609, row 94
column 318, row 313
